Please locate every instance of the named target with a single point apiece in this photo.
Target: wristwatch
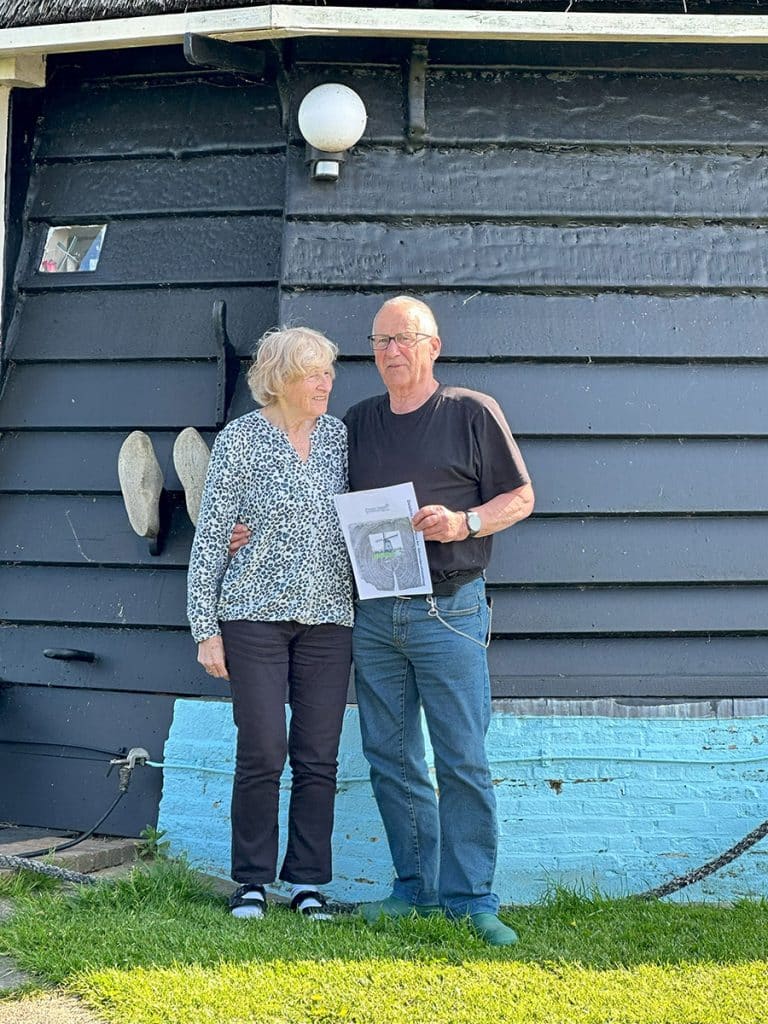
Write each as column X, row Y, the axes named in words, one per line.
column 474, row 523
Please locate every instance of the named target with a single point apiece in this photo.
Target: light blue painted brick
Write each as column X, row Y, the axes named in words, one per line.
column 665, row 807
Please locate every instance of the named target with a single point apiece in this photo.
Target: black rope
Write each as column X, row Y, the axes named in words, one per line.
column 682, row 881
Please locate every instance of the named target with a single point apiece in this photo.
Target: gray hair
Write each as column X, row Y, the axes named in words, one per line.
column 284, row 355
column 410, row 302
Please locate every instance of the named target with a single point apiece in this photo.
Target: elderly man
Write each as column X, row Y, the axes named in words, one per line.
column 430, row 653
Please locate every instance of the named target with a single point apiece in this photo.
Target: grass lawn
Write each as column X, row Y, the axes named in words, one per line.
column 159, row 948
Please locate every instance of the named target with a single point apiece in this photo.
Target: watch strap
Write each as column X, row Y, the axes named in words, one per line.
column 472, row 532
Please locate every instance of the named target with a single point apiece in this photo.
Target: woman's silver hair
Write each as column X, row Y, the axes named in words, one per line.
column 285, row 355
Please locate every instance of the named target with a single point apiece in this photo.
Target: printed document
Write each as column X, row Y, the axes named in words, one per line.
column 388, row 556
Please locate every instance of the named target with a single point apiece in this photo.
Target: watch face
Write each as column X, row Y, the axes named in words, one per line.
column 474, row 522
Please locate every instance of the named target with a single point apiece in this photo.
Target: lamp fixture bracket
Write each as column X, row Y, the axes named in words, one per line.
column 206, row 52
column 222, row 55
column 416, row 70
column 324, row 166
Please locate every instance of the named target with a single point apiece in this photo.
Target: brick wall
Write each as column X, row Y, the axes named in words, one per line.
column 590, row 794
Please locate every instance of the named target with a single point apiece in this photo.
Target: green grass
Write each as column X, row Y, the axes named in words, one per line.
column 159, row 948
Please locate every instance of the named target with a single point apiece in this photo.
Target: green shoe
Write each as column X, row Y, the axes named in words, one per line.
column 394, row 907
column 493, row 931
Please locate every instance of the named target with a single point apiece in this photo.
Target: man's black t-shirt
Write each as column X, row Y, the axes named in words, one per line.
column 456, row 448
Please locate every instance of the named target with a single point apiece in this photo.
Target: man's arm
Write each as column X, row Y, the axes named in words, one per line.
column 441, row 524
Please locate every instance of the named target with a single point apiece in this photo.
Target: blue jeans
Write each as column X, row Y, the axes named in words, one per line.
column 444, row 851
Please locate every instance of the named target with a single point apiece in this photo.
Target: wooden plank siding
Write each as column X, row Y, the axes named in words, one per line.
column 575, row 475
column 90, row 323
column 55, row 745
column 89, row 529
column 505, row 256
column 593, row 243
column 593, row 246
column 97, row 596
column 193, row 201
column 604, row 326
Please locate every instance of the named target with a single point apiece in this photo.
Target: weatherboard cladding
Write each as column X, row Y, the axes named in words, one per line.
column 194, row 206
column 594, row 251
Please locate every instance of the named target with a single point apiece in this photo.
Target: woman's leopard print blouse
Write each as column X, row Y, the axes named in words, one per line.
column 295, row 566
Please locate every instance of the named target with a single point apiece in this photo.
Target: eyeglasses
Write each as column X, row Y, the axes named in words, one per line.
column 406, row 340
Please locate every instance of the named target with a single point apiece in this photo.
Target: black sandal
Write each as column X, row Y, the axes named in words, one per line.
column 304, row 903
column 248, row 901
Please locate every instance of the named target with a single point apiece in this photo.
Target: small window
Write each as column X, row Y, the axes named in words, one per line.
column 76, row 247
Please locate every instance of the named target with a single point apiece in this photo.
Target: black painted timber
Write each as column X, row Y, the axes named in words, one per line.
column 627, row 109
column 84, row 529
column 478, row 325
column 545, row 399
column 162, row 116
column 592, row 242
column 505, row 182
column 136, row 395
column 134, row 324
column 179, row 250
column 77, row 530
column 187, row 171
column 24, row 108
column 521, row 55
column 92, row 595
column 223, row 183
column 618, row 666
column 573, row 475
column 150, row 661
column 57, row 779
column 43, row 462
column 504, row 256
column 130, row 660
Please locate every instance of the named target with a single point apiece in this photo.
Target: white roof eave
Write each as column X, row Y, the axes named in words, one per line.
column 283, row 21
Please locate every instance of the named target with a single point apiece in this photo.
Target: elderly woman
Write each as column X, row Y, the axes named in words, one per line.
column 276, row 618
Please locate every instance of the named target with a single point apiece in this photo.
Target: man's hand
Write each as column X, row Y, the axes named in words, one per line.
column 210, row 654
column 438, row 523
column 240, row 537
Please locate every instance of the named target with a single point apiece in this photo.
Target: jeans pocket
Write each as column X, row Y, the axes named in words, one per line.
column 455, row 607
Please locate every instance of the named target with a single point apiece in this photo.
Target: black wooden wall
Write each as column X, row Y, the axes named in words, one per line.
column 590, row 232
column 188, row 173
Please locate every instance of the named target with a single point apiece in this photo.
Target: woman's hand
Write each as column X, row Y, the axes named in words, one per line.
column 210, row 654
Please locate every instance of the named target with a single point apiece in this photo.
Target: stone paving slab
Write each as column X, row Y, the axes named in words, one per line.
column 49, row 1008
column 10, row 976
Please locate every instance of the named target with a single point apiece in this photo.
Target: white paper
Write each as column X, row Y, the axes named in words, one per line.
column 388, row 556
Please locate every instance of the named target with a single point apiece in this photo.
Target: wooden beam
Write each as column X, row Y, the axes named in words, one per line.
column 20, row 71
column 276, row 21
column 536, row 26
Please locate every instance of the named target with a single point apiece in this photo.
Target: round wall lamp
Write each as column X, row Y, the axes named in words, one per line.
column 332, row 118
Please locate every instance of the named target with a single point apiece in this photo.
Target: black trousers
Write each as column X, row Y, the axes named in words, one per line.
column 309, row 664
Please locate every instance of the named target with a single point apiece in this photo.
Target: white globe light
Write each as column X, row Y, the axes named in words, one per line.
column 332, row 117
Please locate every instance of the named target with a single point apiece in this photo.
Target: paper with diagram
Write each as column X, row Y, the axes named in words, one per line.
column 388, row 556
